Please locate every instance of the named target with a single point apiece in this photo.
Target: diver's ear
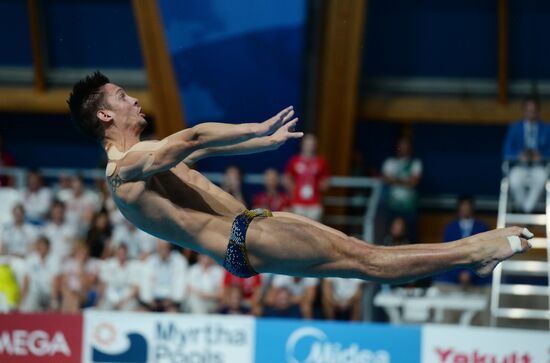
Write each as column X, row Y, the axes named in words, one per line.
column 105, row 115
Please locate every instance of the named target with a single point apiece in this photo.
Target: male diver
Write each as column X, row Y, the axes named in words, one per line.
column 155, row 188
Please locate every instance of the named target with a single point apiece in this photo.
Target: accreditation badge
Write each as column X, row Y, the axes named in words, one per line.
column 306, row 191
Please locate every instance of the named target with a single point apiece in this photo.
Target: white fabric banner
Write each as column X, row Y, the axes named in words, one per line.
column 167, row 338
column 454, row 344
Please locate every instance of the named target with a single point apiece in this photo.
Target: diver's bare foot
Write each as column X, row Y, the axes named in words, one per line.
column 495, row 246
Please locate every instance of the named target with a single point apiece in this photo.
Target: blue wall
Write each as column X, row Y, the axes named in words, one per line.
column 85, row 33
column 14, row 34
column 237, row 61
column 454, row 38
column 91, row 34
column 47, row 141
column 457, row 159
column 430, row 38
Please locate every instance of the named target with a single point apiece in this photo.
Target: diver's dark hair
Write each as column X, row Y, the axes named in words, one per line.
column 84, row 101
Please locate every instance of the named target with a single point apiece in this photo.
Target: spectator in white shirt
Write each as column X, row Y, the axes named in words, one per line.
column 62, row 189
column 79, row 278
column 18, row 236
column 402, row 174
column 119, row 282
column 140, row 244
column 61, row 234
column 205, row 286
column 303, row 292
column 43, row 269
column 107, row 203
column 36, row 197
column 10, row 197
column 98, row 237
column 342, row 298
column 81, row 204
column 164, row 281
column 14, row 282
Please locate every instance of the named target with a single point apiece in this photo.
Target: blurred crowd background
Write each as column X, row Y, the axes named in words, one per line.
column 436, row 102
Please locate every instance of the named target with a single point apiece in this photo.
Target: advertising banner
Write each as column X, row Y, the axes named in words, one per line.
column 30, row 338
column 294, row 341
column 453, row 344
column 167, row 338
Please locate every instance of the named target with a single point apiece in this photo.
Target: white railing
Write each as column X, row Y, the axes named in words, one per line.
column 363, row 193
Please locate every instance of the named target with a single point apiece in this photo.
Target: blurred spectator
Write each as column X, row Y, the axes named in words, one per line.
column 9, row 197
column 402, row 175
column 43, row 269
column 62, row 189
column 303, row 292
column 342, row 298
column 140, row 244
column 164, row 282
column 306, row 177
column 272, row 197
column 399, row 236
column 79, row 279
column 233, row 304
column 250, row 289
column 106, row 202
column 61, row 234
column 13, row 281
column 527, row 143
column 36, row 197
column 98, row 237
column 190, row 255
column 18, row 236
column 282, row 305
column 462, row 280
column 232, row 183
column 119, row 282
column 6, row 160
column 81, row 204
column 205, row 283
column 466, row 224
column 398, row 233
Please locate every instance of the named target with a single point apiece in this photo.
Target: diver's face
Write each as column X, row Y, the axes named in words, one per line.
column 123, row 110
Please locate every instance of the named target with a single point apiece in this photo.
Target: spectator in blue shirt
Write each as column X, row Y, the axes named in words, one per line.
column 463, row 280
column 464, row 226
column 283, row 307
column 527, row 144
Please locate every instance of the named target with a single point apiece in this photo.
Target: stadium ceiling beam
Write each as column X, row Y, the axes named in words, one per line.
column 337, row 96
column 413, row 109
column 165, row 96
column 37, row 44
column 503, row 51
column 52, row 101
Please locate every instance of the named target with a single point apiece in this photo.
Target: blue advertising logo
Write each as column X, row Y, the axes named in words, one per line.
column 135, row 352
column 280, row 341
